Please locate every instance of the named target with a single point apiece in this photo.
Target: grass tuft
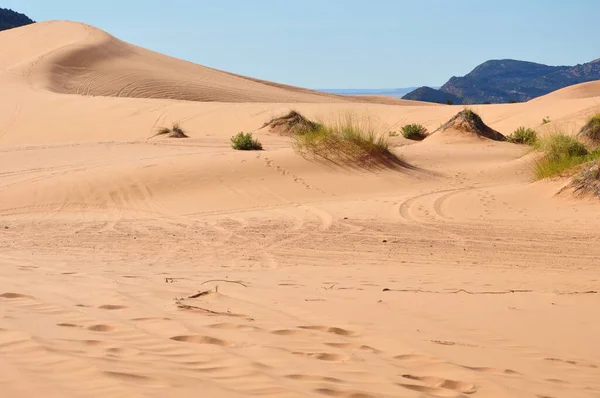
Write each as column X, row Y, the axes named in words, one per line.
column 414, row 132
column 348, row 139
column 245, row 142
column 591, row 130
column 175, row 132
column 523, row 135
column 561, row 154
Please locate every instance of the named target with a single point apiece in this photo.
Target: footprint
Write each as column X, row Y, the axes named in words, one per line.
column 324, row 356
column 112, row 307
column 330, row 392
column 491, row 370
column 15, row 296
column 150, row 319
column 314, row 378
column 433, row 391
column 290, row 332
column 333, row 330
column 101, row 328
column 450, row 343
column 352, row 346
column 202, row 340
column 438, row 382
column 134, row 378
column 574, row 363
column 232, row 326
column 68, row 325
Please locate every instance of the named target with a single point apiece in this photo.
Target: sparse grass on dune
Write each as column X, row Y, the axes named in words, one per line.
column 347, row 139
column 561, row 154
column 591, row 130
column 174, row 132
column 523, row 135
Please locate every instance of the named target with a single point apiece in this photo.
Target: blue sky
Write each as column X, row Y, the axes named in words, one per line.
column 343, row 43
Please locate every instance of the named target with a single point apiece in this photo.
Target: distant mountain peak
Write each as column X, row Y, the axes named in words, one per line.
column 508, row 80
column 11, row 19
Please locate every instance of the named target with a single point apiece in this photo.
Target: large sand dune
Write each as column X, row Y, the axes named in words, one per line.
column 458, row 277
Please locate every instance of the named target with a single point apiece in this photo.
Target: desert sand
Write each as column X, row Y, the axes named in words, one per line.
column 459, row 276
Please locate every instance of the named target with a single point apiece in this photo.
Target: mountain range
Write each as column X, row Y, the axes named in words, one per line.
column 507, row 80
column 11, row 19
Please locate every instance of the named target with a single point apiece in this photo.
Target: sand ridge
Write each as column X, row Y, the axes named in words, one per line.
column 140, row 266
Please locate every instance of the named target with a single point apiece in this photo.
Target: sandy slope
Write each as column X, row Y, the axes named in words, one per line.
column 105, row 233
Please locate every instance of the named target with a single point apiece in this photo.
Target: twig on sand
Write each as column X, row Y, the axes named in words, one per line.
column 456, row 291
column 202, row 293
column 486, row 292
column 224, row 280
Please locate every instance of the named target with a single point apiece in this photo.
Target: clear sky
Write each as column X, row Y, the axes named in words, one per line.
column 343, row 43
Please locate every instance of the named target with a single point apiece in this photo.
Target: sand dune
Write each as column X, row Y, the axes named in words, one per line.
column 457, row 277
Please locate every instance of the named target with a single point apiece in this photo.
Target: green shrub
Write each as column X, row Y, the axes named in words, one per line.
column 561, row 153
column 414, row 132
column 523, row 135
column 245, row 142
column 393, row 134
column 546, row 120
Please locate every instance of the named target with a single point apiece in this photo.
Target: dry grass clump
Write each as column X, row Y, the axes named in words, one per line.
column 346, row 139
column 587, row 181
column 591, row 130
column 290, row 124
column 174, row 132
column 561, row 154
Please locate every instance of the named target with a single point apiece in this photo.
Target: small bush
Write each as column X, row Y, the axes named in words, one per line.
column 561, row 153
column 449, row 102
column 245, row 142
column 546, row 120
column 523, row 135
column 393, row 134
column 414, row 132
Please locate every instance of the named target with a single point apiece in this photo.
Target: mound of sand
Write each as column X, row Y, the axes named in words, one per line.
column 577, row 91
column 290, row 124
column 591, row 130
column 468, row 121
column 587, row 181
column 74, row 58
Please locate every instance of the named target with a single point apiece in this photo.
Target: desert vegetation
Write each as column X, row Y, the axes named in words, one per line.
column 561, row 153
column 587, row 181
column 245, row 142
column 470, row 122
column 414, row 132
column 523, row 135
column 346, row 138
column 174, row 132
column 591, row 130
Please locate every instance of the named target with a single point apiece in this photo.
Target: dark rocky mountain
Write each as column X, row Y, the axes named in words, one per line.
column 11, row 19
column 507, row 80
column 433, row 95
